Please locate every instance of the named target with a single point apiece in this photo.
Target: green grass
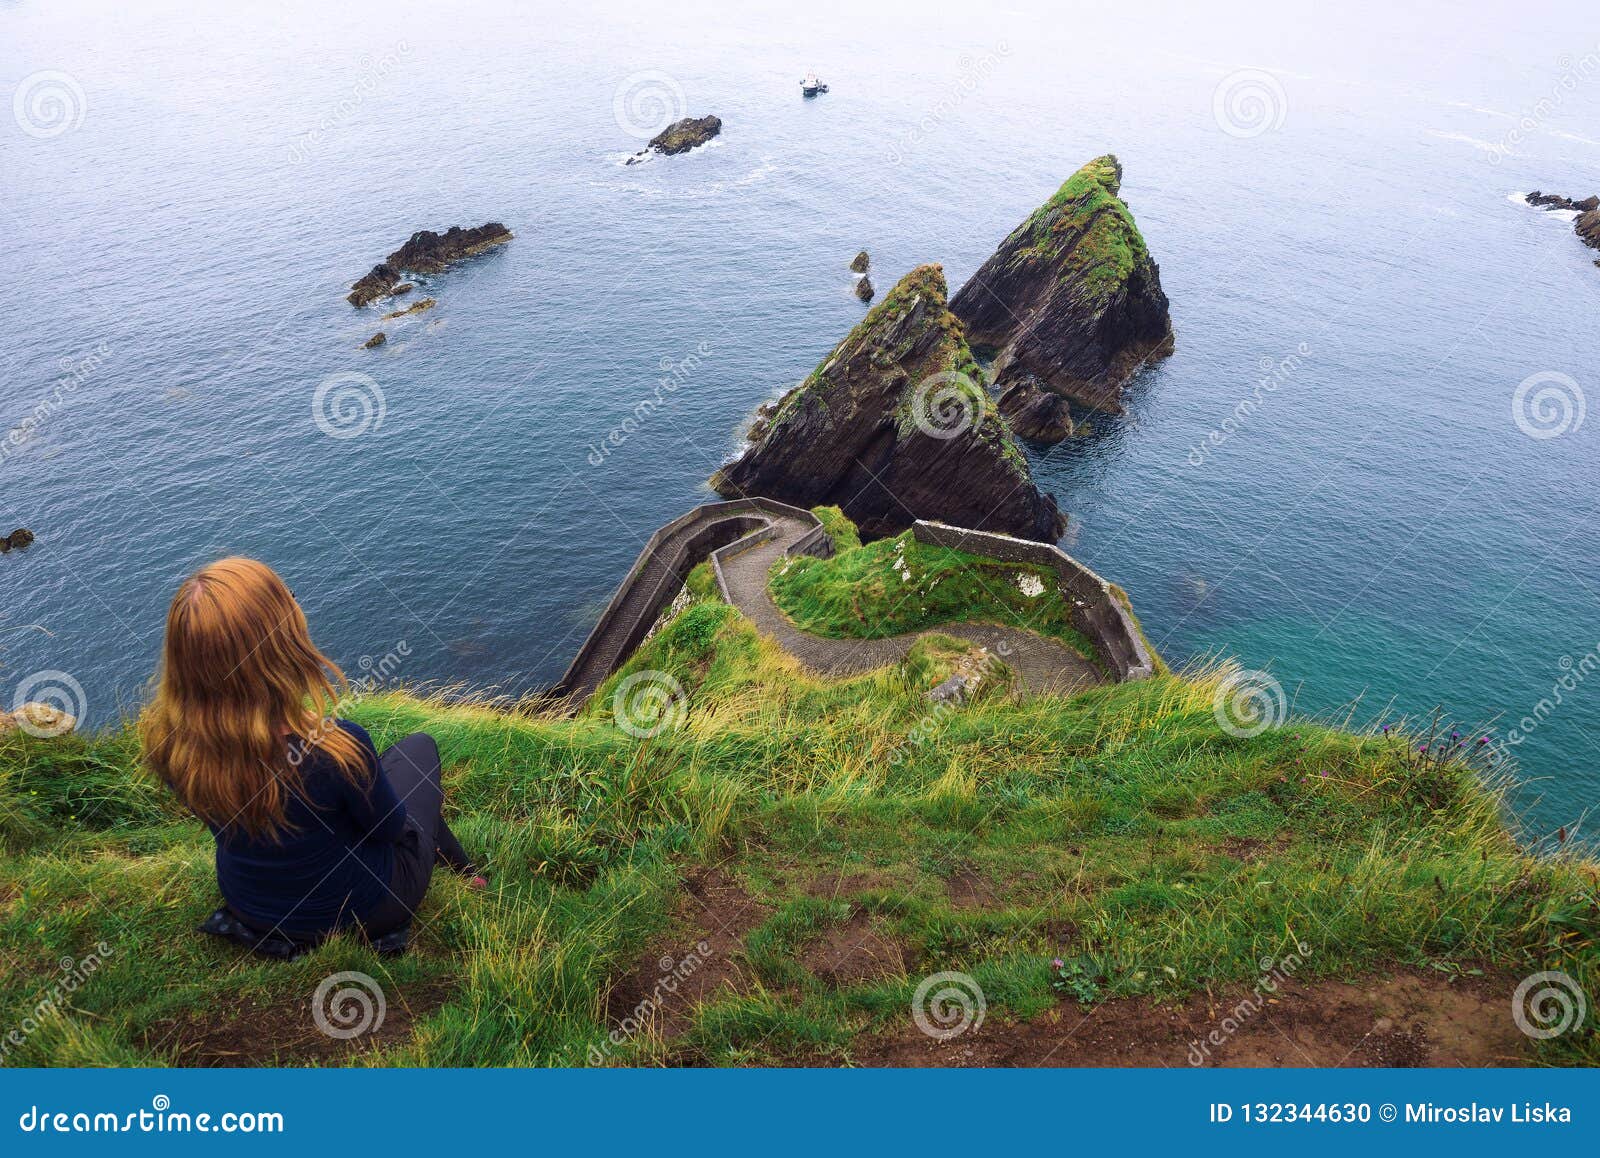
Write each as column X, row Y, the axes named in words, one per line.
column 1107, row 825
column 898, row 585
column 1087, row 214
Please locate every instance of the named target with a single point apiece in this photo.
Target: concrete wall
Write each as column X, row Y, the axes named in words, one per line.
column 1098, row 613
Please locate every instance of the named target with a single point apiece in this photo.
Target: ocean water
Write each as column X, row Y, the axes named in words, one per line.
column 187, row 192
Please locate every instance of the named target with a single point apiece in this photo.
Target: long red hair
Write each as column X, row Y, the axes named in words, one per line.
column 243, row 696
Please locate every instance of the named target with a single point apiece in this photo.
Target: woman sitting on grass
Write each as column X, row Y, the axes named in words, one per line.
column 314, row 830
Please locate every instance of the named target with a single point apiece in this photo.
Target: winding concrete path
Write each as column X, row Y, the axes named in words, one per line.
column 1042, row 664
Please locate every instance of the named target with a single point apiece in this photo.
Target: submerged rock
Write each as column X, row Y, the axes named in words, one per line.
column 681, row 136
column 861, row 262
column 375, row 341
column 425, row 252
column 413, row 308
column 895, row 425
column 1071, row 302
column 864, row 289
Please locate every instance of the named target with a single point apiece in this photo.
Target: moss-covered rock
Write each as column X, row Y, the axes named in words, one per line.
column 895, row 425
column 1071, row 302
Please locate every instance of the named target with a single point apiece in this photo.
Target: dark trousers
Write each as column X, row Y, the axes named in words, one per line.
column 412, row 767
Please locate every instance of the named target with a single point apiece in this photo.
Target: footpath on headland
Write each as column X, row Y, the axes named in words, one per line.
column 1041, row 664
column 743, row 538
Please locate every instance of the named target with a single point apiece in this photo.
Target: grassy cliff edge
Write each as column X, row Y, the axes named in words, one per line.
column 797, row 855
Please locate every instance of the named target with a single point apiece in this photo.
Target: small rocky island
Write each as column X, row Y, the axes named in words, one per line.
column 16, row 540
column 681, row 136
column 1586, row 225
column 1070, row 306
column 425, row 252
column 895, row 425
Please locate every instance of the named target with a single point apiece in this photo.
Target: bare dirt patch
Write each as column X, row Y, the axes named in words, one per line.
column 969, row 889
column 676, row 974
column 251, row 1032
column 853, row 953
column 1409, row 1019
column 833, row 886
column 1251, row 849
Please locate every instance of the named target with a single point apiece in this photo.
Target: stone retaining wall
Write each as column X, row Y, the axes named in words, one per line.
column 1099, row 614
column 658, row 575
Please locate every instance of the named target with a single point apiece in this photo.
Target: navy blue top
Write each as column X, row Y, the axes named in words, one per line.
column 332, row 865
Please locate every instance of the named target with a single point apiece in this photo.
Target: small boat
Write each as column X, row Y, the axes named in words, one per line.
column 811, row 86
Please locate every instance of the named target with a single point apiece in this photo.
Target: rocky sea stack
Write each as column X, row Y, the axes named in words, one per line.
column 425, row 252
column 1071, row 305
column 681, row 136
column 1586, row 224
column 895, row 426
